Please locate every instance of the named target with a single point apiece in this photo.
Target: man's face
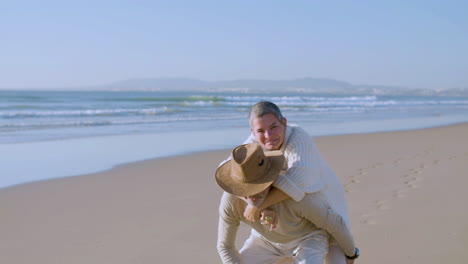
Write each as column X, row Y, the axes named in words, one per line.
column 257, row 199
column 269, row 131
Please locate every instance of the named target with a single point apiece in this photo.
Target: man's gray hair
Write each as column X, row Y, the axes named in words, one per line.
column 262, row 108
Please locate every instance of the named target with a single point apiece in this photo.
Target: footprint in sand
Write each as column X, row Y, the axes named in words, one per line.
column 429, row 151
column 362, row 172
column 382, row 205
column 347, row 188
column 397, row 161
column 400, row 193
column 416, row 179
column 376, row 165
column 422, row 166
column 354, row 180
column 406, row 176
column 368, row 219
column 415, row 171
column 452, row 157
column 435, row 162
column 412, row 182
column 369, row 222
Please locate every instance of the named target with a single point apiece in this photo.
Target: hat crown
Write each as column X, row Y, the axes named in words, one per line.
column 250, row 170
column 250, row 164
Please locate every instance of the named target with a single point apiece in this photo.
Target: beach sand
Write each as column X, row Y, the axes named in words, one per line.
column 406, row 194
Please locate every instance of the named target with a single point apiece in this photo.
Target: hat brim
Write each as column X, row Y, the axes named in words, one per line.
column 226, row 182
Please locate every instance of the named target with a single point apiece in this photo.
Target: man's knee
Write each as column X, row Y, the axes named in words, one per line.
column 309, row 257
column 257, row 251
column 312, row 250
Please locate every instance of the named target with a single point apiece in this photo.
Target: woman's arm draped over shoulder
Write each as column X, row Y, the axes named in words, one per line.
column 252, row 213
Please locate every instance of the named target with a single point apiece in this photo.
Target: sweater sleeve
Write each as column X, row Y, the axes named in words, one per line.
column 304, row 173
column 290, row 188
column 227, row 230
column 319, row 212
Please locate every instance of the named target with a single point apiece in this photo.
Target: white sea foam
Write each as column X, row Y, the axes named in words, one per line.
column 86, row 112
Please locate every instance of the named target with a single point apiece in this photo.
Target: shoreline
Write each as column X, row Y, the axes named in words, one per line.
column 97, row 154
column 400, row 187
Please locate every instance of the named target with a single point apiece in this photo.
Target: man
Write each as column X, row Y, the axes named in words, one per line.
column 306, row 171
column 302, row 228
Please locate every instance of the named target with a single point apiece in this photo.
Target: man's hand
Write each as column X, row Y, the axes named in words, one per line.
column 349, row 261
column 252, row 213
column 268, row 217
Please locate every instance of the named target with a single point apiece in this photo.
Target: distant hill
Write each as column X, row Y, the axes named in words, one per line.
column 306, row 85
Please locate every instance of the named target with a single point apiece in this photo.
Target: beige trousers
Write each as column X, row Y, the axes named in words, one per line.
column 310, row 249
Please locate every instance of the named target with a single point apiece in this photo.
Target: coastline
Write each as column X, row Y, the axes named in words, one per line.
column 404, row 189
column 78, row 156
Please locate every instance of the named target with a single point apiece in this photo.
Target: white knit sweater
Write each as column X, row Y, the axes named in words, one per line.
column 307, row 171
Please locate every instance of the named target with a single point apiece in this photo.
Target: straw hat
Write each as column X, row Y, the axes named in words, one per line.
column 250, row 170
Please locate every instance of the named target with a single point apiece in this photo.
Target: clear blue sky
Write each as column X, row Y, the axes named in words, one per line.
column 78, row 43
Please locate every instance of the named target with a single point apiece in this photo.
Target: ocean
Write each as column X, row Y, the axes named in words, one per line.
column 31, row 116
column 64, row 133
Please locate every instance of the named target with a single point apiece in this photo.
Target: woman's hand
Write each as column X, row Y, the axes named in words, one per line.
column 268, row 217
column 252, row 213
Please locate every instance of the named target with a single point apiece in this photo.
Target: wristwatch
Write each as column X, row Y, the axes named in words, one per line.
column 356, row 255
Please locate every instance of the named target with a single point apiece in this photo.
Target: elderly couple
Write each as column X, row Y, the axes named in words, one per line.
column 278, row 183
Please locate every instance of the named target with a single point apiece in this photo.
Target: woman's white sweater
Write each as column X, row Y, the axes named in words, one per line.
column 307, row 171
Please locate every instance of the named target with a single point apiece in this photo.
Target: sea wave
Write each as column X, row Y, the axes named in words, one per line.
column 87, row 112
column 62, row 123
column 35, row 115
column 166, row 99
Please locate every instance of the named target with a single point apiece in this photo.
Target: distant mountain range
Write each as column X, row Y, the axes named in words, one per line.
column 306, row 85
